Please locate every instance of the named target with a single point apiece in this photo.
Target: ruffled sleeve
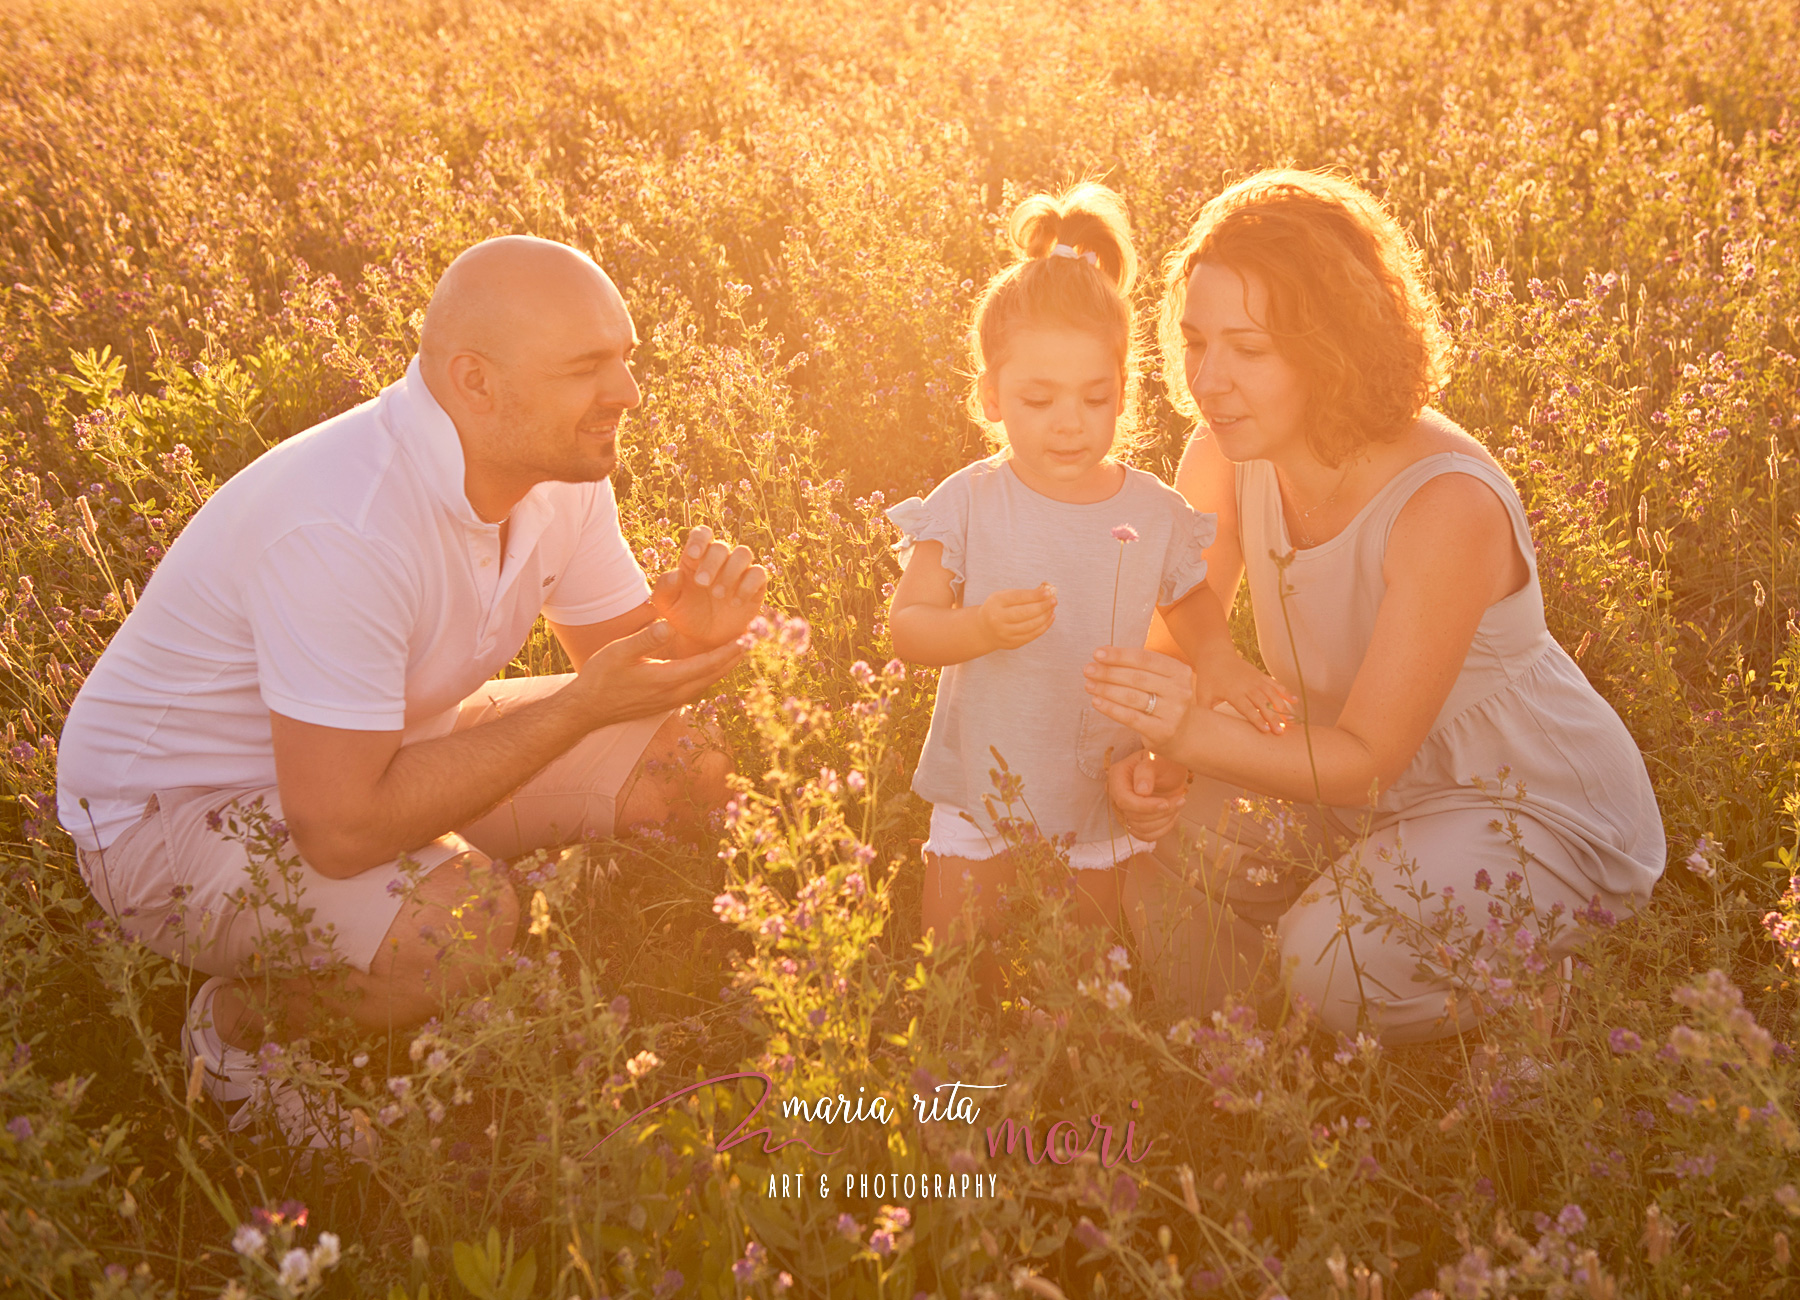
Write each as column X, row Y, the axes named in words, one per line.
column 1184, row 566
column 941, row 517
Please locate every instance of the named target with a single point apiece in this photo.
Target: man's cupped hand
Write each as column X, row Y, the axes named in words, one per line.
column 711, row 595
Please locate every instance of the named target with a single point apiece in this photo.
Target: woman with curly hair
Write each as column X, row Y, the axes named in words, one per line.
column 1435, row 748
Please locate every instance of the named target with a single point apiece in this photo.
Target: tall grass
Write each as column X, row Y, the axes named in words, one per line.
column 220, row 221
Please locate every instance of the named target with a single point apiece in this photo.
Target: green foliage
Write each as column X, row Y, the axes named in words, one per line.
column 490, row 1274
column 219, row 224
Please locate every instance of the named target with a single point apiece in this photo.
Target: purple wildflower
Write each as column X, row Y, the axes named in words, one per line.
column 1701, row 1166
column 1089, row 1235
column 1124, row 1193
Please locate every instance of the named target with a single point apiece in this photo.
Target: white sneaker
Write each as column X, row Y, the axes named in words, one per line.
column 309, row 1118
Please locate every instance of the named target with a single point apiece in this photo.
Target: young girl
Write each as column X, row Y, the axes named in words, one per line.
column 1019, row 566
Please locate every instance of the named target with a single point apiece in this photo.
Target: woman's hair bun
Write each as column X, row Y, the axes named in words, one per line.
column 1090, row 218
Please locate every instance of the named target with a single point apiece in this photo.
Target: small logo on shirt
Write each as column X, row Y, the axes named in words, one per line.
column 549, row 580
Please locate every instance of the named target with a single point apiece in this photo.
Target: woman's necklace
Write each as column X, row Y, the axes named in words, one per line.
column 1303, row 523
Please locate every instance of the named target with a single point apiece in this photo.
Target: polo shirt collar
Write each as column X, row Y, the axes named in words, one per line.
column 428, row 436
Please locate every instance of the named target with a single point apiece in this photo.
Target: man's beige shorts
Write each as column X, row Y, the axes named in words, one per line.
column 176, row 882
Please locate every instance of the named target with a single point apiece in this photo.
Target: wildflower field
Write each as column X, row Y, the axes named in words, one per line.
column 220, row 221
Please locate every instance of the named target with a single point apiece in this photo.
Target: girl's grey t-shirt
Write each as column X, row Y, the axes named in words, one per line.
column 1030, row 704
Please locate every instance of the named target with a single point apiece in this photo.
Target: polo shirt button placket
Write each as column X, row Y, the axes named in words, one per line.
column 487, row 546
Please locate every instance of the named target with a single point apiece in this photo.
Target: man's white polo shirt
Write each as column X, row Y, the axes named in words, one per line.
column 341, row 579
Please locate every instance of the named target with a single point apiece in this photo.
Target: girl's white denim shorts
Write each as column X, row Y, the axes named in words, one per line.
column 955, row 835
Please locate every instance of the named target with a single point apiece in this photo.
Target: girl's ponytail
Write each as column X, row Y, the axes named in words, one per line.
column 1086, row 219
column 1075, row 269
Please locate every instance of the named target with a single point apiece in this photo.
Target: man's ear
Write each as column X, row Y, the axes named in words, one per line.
column 989, row 389
column 472, row 380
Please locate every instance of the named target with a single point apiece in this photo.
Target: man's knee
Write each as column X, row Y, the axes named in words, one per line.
column 683, row 772
column 486, row 903
column 710, row 788
column 705, row 760
column 464, row 905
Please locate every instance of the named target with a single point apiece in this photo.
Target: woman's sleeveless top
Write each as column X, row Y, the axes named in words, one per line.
column 1520, row 713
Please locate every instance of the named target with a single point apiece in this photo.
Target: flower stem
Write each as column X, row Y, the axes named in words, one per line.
column 1113, row 627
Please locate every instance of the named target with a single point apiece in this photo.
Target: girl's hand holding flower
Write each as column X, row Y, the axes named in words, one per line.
column 1015, row 618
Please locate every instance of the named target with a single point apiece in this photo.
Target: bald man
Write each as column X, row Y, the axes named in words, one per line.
column 310, row 676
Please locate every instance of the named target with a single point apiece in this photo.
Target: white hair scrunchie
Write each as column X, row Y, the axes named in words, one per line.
column 1063, row 250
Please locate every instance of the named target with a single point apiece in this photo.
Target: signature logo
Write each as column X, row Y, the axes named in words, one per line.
column 1061, row 1143
column 738, row 1135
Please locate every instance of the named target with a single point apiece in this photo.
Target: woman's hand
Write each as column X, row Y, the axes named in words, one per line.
column 1150, row 693
column 1148, row 793
column 1226, row 678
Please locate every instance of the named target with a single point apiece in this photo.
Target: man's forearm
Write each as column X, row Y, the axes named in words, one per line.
column 355, row 799
column 434, row 786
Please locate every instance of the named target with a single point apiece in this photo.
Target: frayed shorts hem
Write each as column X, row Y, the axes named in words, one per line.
column 955, row 834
